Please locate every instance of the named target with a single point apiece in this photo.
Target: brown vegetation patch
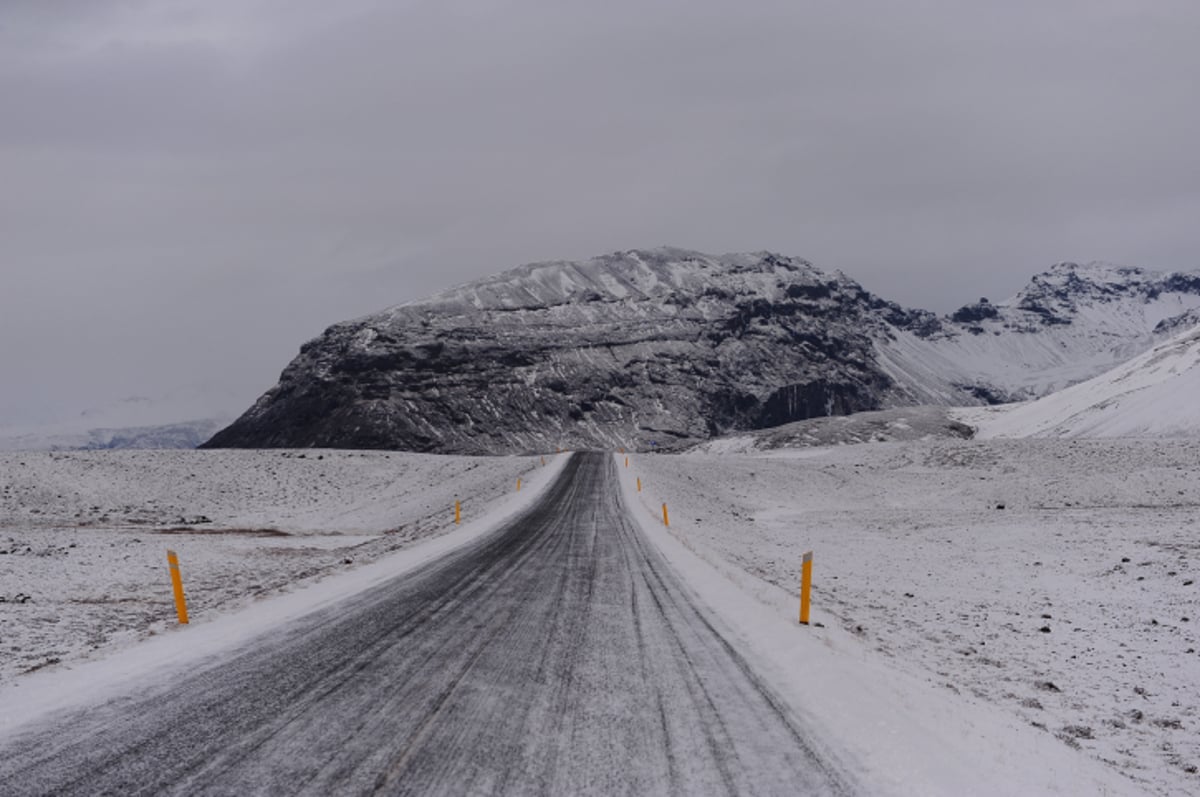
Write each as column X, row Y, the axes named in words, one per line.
column 238, row 532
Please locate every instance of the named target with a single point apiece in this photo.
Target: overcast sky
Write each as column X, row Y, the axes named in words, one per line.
column 190, row 189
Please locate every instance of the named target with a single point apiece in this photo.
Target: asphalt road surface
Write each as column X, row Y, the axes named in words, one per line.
column 559, row 655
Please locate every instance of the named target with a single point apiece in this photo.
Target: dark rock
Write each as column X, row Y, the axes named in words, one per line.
column 1079, row 732
column 974, row 313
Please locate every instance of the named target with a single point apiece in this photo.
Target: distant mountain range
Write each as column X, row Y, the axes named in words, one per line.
column 188, row 434
column 665, row 348
column 183, row 418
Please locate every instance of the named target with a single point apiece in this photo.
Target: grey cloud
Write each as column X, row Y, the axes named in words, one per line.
column 191, row 189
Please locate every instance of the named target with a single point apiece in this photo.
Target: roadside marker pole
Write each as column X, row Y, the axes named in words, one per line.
column 627, row 462
column 177, row 585
column 457, row 512
column 805, row 586
column 666, row 520
column 518, row 484
column 543, row 461
column 639, row 484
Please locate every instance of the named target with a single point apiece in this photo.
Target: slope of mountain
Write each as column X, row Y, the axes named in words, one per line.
column 666, row 347
column 1152, row 395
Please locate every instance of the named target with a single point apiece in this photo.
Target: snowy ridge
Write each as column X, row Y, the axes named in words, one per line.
column 1152, row 395
column 624, row 277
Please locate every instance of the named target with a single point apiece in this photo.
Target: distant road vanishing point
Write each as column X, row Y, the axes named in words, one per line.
column 558, row 655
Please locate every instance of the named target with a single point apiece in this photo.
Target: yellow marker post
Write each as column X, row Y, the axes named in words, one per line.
column 177, row 584
column 543, row 460
column 666, row 520
column 627, row 462
column 805, row 586
column 518, row 484
column 457, row 512
column 639, row 484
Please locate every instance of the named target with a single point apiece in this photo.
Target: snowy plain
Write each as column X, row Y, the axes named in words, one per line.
column 84, row 535
column 929, row 664
column 1054, row 581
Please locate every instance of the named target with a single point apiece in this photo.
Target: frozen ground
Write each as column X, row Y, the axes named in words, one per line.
column 919, row 574
column 1054, row 579
column 83, row 535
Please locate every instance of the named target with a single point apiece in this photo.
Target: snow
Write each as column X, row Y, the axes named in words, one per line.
column 629, row 282
column 902, row 424
column 925, row 665
column 1113, row 312
column 931, row 664
column 1152, row 395
column 83, row 534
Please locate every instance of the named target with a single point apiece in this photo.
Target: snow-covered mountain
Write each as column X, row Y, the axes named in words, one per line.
column 1068, row 324
column 182, row 418
column 186, row 434
column 1156, row 394
column 666, row 347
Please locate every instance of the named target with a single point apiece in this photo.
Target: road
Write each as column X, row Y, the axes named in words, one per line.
column 558, row 655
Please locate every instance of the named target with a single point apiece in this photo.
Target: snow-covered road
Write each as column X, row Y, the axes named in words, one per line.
column 558, row 655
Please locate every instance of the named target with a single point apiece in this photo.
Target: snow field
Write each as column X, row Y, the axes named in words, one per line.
column 84, row 535
column 1139, row 398
column 922, row 579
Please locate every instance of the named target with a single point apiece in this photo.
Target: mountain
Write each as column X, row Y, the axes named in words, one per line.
column 1068, row 324
column 186, row 434
column 1152, row 395
column 667, row 347
column 182, row 418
